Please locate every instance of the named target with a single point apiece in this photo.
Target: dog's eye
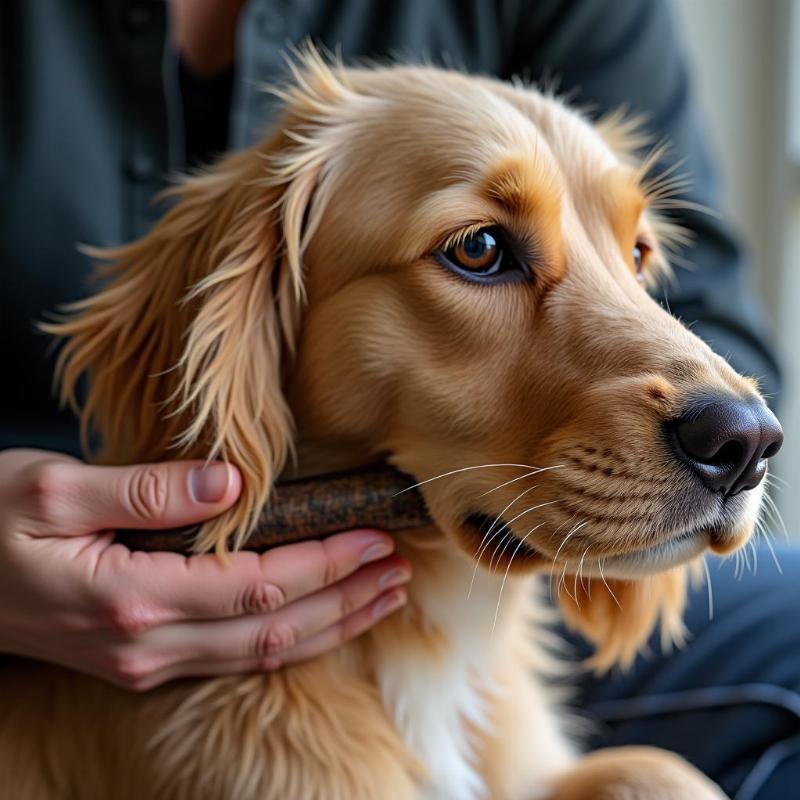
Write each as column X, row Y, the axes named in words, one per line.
column 479, row 252
column 481, row 255
column 641, row 252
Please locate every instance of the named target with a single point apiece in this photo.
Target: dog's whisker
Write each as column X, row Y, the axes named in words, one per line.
column 605, row 582
column 575, row 578
column 709, row 589
column 572, row 532
column 522, row 477
column 772, row 477
column 508, row 568
column 462, row 469
column 553, row 564
column 562, row 579
column 487, row 538
column 767, row 513
column 758, row 528
column 563, row 582
column 508, row 537
column 770, row 482
column 500, row 516
column 768, row 542
column 579, row 571
column 746, row 559
column 508, row 524
column 775, row 514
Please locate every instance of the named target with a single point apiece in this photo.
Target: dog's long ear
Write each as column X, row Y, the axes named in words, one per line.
column 186, row 345
column 618, row 616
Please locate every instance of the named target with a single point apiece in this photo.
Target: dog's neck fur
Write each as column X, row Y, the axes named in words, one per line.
column 440, row 662
column 436, row 697
column 435, row 669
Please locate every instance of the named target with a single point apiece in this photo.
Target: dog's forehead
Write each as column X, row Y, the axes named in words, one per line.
column 510, row 143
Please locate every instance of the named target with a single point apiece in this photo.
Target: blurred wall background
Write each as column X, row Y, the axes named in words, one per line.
column 746, row 60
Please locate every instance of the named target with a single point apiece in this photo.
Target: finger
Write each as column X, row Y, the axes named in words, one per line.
column 347, row 629
column 168, row 587
column 276, row 633
column 343, row 631
column 168, row 494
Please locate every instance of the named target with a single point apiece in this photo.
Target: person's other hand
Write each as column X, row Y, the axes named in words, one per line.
column 69, row 595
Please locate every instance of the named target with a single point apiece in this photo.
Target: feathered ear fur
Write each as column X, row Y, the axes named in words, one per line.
column 186, row 345
column 618, row 616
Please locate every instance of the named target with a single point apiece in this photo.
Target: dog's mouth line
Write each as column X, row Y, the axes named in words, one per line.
column 494, row 535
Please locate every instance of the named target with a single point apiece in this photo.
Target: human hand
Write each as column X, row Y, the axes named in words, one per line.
column 69, row 595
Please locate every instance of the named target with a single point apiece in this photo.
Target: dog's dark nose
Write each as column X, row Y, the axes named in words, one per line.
column 727, row 442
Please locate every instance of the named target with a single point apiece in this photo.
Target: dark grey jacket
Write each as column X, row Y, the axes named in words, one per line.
column 91, row 125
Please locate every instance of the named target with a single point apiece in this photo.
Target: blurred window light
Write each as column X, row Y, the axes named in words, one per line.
column 793, row 85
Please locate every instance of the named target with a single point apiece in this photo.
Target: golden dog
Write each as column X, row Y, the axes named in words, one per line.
column 445, row 272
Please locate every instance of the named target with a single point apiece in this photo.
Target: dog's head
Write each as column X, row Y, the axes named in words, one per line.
column 447, row 272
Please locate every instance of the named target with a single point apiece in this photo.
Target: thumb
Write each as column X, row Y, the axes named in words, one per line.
column 163, row 495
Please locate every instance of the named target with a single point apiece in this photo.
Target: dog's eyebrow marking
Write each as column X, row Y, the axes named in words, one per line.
column 529, row 191
column 523, row 187
column 625, row 201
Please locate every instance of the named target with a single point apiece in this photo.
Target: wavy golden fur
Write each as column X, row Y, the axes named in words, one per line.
column 292, row 302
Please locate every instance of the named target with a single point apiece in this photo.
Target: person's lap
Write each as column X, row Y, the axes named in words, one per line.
column 729, row 701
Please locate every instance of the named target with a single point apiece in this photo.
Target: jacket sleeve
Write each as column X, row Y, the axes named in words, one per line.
column 610, row 54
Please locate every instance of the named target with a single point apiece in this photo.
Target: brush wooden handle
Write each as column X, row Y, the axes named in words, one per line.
column 311, row 509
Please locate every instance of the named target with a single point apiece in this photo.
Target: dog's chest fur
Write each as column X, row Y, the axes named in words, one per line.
column 438, row 682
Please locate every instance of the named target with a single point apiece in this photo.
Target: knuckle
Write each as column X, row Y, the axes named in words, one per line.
column 146, row 492
column 47, row 486
column 347, row 604
column 271, row 663
column 331, row 571
column 350, row 629
column 128, row 618
column 130, row 670
column 272, row 640
column 261, row 598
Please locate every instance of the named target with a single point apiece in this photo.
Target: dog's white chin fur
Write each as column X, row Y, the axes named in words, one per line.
column 680, row 549
column 648, row 561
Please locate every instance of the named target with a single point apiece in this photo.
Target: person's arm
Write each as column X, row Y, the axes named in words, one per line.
column 611, row 54
column 69, row 595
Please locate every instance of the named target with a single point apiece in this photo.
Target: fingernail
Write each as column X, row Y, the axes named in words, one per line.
column 388, row 603
column 209, row 484
column 376, row 551
column 394, row 577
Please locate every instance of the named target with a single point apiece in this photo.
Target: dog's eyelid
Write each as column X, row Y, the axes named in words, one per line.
column 645, row 238
column 510, row 264
column 457, row 235
column 524, row 247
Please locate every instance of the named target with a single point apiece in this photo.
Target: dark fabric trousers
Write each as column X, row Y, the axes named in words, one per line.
column 730, row 700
